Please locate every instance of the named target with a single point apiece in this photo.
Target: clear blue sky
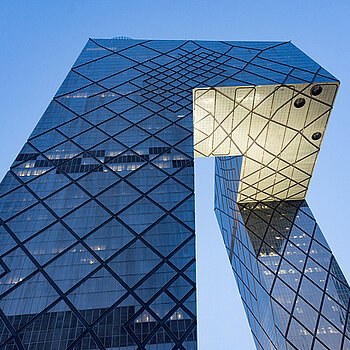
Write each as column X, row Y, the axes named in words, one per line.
column 41, row 39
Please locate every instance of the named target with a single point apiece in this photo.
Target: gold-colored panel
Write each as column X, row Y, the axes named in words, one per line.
column 278, row 138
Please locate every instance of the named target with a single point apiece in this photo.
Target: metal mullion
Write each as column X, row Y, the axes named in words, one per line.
column 137, row 63
column 289, row 262
column 11, row 190
column 55, row 127
column 78, row 89
column 111, row 308
column 106, row 209
column 53, row 285
column 241, row 262
column 256, row 320
column 72, row 180
column 23, row 161
column 97, row 59
column 13, row 332
column 104, row 264
column 143, row 304
column 160, row 323
column 183, row 299
column 146, row 306
column 345, row 325
column 297, row 294
column 267, row 59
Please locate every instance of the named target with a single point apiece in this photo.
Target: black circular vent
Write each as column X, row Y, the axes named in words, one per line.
column 316, row 136
column 316, row 90
column 299, row 102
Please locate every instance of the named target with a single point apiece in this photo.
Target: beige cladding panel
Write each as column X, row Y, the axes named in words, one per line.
column 277, row 138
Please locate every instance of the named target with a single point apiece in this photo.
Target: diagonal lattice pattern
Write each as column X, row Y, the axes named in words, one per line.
column 277, row 129
column 293, row 291
column 97, row 211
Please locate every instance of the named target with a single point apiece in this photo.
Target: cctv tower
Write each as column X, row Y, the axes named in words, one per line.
column 97, row 211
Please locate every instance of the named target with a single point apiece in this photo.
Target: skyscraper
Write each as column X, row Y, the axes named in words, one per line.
column 97, row 211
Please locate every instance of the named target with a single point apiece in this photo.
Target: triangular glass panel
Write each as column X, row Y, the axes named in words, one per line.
column 184, row 255
column 71, row 267
column 179, row 322
column 282, row 318
column 289, row 274
column 166, row 235
column 9, row 182
column 15, row 201
column 86, row 218
column 55, row 115
column 79, row 99
column 281, row 288
column 173, row 133
column 109, row 239
column 98, row 115
column 319, row 237
column 47, row 140
column 169, row 193
column 311, row 293
column 299, row 335
column 141, row 214
column 118, row 196
column 137, row 113
column 38, row 290
column 140, row 53
column 95, row 182
column 96, row 70
column 190, row 303
column 315, row 272
column 185, row 213
column 305, row 314
column 39, row 184
column 49, row 243
column 153, row 124
column 24, row 225
column 152, row 147
column 328, row 334
column 66, row 199
column 6, row 241
column 101, row 290
column 143, row 326
column 146, row 177
column 118, row 80
column 333, row 312
column 320, row 254
column 74, row 127
column 162, row 305
column 155, row 282
column 134, row 263
column 131, row 136
column 72, row 82
column 180, row 287
column 116, row 318
column 162, row 337
column 90, row 138
column 115, row 125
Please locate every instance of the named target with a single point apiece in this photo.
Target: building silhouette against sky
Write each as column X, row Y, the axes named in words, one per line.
column 97, row 226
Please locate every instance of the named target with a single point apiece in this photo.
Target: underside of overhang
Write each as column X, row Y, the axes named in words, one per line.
column 278, row 129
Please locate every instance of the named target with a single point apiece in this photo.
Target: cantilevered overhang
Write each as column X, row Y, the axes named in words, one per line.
column 278, row 129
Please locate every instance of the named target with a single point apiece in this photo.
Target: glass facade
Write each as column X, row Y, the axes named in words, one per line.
column 293, row 291
column 97, row 224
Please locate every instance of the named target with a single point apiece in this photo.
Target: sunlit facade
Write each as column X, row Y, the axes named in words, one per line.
column 97, row 226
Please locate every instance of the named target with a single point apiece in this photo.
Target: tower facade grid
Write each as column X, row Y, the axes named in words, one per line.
column 97, row 224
